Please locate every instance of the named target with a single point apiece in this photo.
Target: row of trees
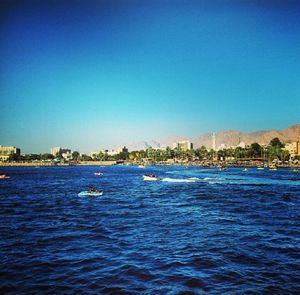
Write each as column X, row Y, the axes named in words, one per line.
column 255, row 151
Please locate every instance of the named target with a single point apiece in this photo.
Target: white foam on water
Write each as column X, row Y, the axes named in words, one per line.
column 177, row 180
column 213, row 178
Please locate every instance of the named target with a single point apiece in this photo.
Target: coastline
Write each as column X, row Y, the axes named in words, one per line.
column 218, row 164
column 50, row 164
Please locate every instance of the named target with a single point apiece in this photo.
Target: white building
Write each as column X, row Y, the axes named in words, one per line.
column 183, row 145
column 66, row 153
column 241, row 145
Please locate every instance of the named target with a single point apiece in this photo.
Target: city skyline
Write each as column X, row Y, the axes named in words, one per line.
column 102, row 74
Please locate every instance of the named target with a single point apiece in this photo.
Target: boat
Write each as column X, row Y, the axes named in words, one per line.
column 4, row 176
column 90, row 193
column 245, row 169
column 98, row 173
column 273, row 168
column 151, row 177
column 295, row 170
column 260, row 168
column 141, row 166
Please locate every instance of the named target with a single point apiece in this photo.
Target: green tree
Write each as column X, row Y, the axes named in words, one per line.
column 85, row 157
column 75, row 155
column 275, row 142
column 47, row 156
column 255, row 150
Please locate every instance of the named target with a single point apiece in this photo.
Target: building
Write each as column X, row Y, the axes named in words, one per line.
column 66, row 153
column 214, row 141
column 222, row 146
column 241, row 145
column 55, row 150
column 117, row 151
column 6, row 151
column 293, row 148
column 183, row 145
column 111, row 152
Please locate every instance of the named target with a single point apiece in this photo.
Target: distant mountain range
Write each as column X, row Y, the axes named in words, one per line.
column 229, row 138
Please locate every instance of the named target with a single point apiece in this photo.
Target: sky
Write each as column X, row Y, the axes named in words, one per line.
column 91, row 74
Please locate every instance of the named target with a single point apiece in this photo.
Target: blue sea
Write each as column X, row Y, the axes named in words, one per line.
column 198, row 231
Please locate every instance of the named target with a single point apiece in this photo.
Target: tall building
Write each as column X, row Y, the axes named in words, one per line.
column 214, row 141
column 6, row 151
column 55, row 150
column 183, row 145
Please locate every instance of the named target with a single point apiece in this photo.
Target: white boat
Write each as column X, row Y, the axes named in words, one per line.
column 149, row 177
column 90, row 194
column 98, row 173
column 4, row 176
column 245, row 169
column 141, row 166
column 273, row 168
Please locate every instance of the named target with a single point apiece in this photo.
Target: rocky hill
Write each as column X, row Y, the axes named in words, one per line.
column 229, row 138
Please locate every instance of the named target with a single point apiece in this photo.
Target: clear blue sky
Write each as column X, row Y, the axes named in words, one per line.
column 98, row 74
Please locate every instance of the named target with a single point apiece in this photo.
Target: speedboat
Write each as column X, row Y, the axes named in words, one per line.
column 4, row 176
column 295, row 170
column 90, row 193
column 245, row 169
column 273, row 168
column 98, row 173
column 150, row 177
column 141, row 166
column 260, row 168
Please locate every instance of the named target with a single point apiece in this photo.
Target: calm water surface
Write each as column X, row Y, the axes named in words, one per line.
column 198, row 231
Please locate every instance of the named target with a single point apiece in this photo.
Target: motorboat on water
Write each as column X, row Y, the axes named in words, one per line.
column 295, row 170
column 4, row 176
column 151, row 177
column 245, row 169
column 141, row 166
column 98, row 173
column 260, row 168
column 273, row 168
column 90, row 193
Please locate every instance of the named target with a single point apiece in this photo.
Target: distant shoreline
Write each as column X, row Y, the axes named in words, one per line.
column 217, row 164
column 45, row 164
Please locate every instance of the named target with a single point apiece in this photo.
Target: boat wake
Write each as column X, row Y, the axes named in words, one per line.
column 178, row 180
column 213, row 178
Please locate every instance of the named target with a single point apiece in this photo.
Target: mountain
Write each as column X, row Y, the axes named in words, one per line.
column 228, row 138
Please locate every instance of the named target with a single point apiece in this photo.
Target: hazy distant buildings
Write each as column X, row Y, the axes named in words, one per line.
column 114, row 152
column 7, row 151
column 111, row 152
column 183, row 145
column 222, row 146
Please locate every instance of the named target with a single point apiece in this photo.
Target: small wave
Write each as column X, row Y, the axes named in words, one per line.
column 213, row 178
column 178, row 180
